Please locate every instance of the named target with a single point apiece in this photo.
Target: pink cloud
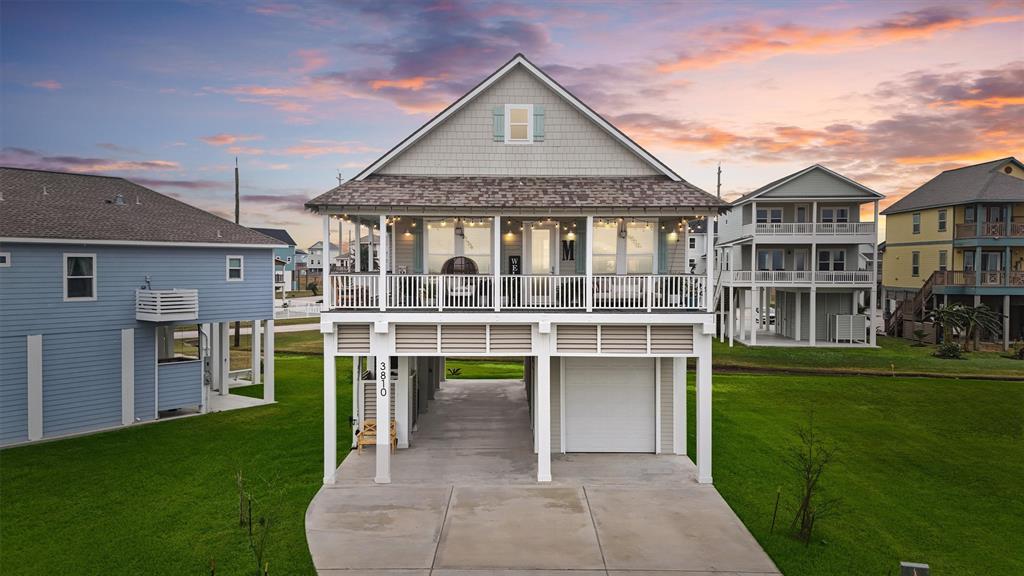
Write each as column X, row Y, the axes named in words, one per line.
column 51, row 85
column 313, row 148
column 225, row 139
column 26, row 158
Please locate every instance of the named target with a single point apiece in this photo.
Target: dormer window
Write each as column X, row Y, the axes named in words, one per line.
column 518, row 125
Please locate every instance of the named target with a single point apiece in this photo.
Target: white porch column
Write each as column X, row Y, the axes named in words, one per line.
column 812, row 321
column 732, row 315
column 679, row 405
column 358, row 224
column 741, row 314
column 1006, row 321
column 357, row 398
column 128, row 376
column 496, row 258
column 268, row 362
column 588, row 252
column 542, row 401
column 710, row 268
column 402, row 420
column 34, row 381
column 872, row 329
column 382, row 372
column 382, row 259
column 703, row 346
column 755, row 297
column 799, row 302
column 325, row 266
column 330, row 405
column 224, row 356
column 254, row 346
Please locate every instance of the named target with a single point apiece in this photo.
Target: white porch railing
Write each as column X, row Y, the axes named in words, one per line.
column 797, row 277
column 807, row 229
column 166, row 305
column 518, row 292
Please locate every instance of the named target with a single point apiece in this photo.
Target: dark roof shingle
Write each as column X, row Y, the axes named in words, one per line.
column 277, row 234
column 977, row 183
column 514, row 193
column 56, row 205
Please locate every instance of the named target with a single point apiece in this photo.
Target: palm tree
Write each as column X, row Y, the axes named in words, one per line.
column 981, row 317
column 950, row 317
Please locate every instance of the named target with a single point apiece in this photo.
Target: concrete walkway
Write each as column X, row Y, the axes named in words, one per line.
column 464, row 501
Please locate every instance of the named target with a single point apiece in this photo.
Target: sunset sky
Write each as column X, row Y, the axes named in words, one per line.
column 168, row 94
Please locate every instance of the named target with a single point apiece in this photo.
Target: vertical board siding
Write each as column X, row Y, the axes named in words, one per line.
column 81, row 381
column 13, row 390
column 181, row 384
column 830, row 303
column 665, row 405
column 556, row 405
column 145, row 373
column 32, row 293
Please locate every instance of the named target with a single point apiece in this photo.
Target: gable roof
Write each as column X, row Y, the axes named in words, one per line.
column 516, row 61
column 277, row 234
column 976, row 183
column 786, row 179
column 42, row 206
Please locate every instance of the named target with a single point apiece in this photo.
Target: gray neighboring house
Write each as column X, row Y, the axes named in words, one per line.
column 96, row 273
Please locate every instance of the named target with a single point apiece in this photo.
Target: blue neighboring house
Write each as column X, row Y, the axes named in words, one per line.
column 95, row 275
column 284, row 259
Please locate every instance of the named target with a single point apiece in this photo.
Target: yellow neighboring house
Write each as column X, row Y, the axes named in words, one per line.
column 959, row 237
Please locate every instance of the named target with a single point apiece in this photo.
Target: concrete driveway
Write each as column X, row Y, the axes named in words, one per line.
column 464, row 501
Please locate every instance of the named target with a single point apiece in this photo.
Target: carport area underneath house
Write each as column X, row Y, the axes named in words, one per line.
column 464, row 497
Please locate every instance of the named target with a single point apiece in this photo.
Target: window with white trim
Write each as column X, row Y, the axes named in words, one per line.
column 915, row 264
column 5, row 259
column 916, row 216
column 693, row 242
column 831, row 260
column 518, row 123
column 839, row 215
column 769, row 215
column 79, row 277
column 235, row 268
column 943, row 260
column 942, row 220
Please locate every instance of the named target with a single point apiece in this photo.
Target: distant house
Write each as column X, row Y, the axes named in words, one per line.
column 96, row 275
column 315, row 260
column 959, row 237
column 284, row 263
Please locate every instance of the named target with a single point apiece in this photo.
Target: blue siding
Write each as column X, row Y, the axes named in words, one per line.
column 81, row 381
column 13, row 390
column 31, row 290
column 145, row 373
column 180, row 385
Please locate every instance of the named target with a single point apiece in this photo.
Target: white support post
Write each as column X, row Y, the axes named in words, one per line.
column 496, row 259
column 703, row 345
column 128, row 376
column 357, row 399
column 382, row 259
column 755, row 298
column 382, row 372
column 812, row 322
column 325, row 266
column 873, row 304
column 543, row 404
column 255, row 345
column 1006, row 321
column 224, row 356
column 710, row 268
column 588, row 252
column 799, row 302
column 741, row 314
column 330, row 407
column 268, row 362
column 679, row 405
column 34, row 367
column 732, row 315
column 402, row 402
column 359, row 244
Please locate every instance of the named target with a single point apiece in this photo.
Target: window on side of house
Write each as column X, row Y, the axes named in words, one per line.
column 693, row 243
column 769, row 215
column 235, row 269
column 942, row 220
column 177, row 343
column 606, row 247
column 915, row 264
column 641, row 243
column 79, row 277
column 917, row 222
column 969, row 261
column 831, row 260
column 842, row 215
column 943, row 260
column 518, row 125
column 969, row 215
column 5, row 259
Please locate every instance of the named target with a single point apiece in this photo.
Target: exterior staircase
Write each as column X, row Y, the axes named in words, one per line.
column 914, row 308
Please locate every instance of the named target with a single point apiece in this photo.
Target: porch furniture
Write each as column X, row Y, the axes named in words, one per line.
column 618, row 291
column 462, row 288
column 367, row 435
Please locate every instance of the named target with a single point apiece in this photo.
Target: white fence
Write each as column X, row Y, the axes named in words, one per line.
column 166, row 305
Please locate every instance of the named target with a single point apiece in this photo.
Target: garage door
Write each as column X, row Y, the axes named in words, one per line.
column 609, row 404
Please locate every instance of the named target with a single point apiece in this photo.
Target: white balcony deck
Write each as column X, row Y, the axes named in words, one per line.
column 803, row 278
column 843, row 232
column 166, row 305
column 647, row 292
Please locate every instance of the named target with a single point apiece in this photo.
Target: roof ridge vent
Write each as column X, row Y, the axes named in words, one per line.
column 138, row 201
column 119, row 199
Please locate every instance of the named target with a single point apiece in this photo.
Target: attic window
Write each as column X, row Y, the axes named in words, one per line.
column 518, row 128
column 1008, row 169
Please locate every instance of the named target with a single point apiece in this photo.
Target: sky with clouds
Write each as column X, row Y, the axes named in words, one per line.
column 168, row 94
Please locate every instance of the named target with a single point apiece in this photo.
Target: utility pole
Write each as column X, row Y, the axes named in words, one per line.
column 719, row 180
column 238, row 325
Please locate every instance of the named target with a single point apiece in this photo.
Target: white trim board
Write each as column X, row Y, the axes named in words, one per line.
column 517, row 60
column 85, row 241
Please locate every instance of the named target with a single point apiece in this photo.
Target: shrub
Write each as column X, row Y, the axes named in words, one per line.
column 949, row 350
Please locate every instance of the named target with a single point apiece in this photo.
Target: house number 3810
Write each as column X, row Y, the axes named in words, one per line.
column 383, row 379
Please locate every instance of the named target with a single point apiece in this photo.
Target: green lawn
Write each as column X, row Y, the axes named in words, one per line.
column 929, row 470
column 470, row 368
column 161, row 498
column 893, row 354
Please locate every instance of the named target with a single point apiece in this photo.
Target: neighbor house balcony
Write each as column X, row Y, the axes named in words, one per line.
column 970, row 281
column 989, row 231
column 835, row 232
column 802, row 278
column 166, row 305
column 569, row 293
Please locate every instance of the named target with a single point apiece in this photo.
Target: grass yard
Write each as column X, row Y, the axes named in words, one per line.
column 928, row 470
column 471, row 368
column 161, row 498
column 893, row 354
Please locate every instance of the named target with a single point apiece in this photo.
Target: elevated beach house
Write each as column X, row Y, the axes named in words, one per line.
column 959, row 237
column 793, row 264
column 96, row 275
column 520, row 223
